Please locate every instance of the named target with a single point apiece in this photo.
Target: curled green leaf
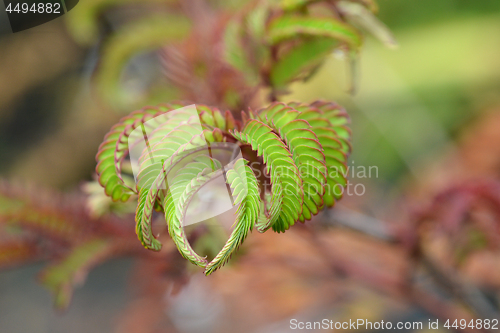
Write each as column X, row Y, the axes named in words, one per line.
column 288, row 27
column 303, row 148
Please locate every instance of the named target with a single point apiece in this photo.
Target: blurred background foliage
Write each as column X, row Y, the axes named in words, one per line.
column 418, row 110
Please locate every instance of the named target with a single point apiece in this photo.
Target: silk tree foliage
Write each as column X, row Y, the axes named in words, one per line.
column 302, row 148
column 264, row 44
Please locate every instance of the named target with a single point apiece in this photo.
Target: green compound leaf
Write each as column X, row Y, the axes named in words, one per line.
column 170, row 145
column 114, row 148
column 282, row 170
column 304, row 149
column 338, row 120
column 302, row 58
column 291, row 26
column 246, row 190
column 181, row 190
column 179, row 142
column 329, row 122
column 143, row 221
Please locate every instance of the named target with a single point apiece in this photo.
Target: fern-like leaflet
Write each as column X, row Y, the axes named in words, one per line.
column 304, row 149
